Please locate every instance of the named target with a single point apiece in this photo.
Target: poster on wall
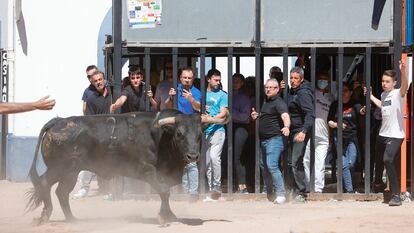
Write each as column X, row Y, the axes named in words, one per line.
column 144, row 13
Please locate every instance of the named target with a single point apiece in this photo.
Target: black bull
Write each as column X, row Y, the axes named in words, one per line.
column 153, row 147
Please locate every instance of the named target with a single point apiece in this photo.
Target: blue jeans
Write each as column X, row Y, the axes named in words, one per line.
column 348, row 163
column 272, row 149
column 190, row 178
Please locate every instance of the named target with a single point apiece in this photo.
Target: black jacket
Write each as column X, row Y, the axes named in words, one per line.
column 301, row 111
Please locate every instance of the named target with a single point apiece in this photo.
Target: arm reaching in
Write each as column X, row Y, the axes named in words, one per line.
column 42, row 104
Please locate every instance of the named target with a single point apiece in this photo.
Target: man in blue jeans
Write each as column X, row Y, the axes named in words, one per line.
column 188, row 103
column 274, row 123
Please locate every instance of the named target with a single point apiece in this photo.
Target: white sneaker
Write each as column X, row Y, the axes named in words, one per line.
column 209, row 199
column 108, row 197
column 280, row 200
column 81, row 193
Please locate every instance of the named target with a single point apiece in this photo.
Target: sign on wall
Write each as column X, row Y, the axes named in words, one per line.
column 4, row 76
column 144, row 13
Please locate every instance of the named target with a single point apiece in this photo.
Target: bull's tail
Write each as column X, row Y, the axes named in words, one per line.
column 34, row 195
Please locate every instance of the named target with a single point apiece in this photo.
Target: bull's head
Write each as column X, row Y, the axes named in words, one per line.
column 186, row 131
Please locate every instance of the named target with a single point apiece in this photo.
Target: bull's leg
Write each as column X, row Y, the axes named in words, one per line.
column 151, row 176
column 166, row 215
column 48, row 179
column 66, row 185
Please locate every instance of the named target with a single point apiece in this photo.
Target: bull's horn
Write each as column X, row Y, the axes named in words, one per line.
column 165, row 121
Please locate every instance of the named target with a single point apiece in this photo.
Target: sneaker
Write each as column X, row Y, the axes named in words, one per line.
column 242, row 191
column 81, row 193
column 395, row 200
column 300, row 198
column 108, row 197
column 215, row 195
column 209, row 199
column 280, row 200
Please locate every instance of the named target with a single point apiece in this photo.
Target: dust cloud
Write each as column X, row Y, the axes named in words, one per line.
column 131, row 215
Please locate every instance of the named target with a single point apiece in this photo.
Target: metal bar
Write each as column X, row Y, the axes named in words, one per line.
column 257, row 142
column 238, row 64
column 312, row 139
column 213, row 62
column 230, row 124
column 257, row 52
column 285, row 73
column 397, row 38
column 175, row 73
column 202, row 172
column 147, row 65
column 117, row 41
column 367, row 170
column 339, row 142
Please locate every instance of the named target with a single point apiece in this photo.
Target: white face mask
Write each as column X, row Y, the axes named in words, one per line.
column 322, row 84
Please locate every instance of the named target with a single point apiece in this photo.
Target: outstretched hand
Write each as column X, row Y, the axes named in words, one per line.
column 44, row 103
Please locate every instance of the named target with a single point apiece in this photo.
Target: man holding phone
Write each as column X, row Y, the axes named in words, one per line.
column 188, row 103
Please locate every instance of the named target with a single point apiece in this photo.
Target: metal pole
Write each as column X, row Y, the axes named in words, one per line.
column 312, row 139
column 230, row 124
column 286, row 152
column 175, row 73
column 339, row 138
column 257, row 96
column 202, row 171
column 397, row 37
column 117, row 42
column 285, row 72
column 238, row 64
column 368, row 121
column 258, row 77
column 147, row 64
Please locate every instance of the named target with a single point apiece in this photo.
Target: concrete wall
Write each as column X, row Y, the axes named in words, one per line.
column 54, row 42
column 50, row 46
column 3, row 22
column 20, row 153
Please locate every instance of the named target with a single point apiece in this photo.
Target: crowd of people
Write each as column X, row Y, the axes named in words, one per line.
column 285, row 126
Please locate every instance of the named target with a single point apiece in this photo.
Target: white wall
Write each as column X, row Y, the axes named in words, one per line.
column 63, row 37
column 3, row 23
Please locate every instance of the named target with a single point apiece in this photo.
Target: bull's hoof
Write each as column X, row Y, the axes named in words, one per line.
column 40, row 221
column 71, row 219
column 271, row 196
column 165, row 218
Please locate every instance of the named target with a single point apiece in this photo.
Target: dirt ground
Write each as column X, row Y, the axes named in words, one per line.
column 98, row 215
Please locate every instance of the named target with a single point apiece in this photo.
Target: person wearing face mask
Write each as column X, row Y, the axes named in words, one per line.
column 322, row 104
column 216, row 106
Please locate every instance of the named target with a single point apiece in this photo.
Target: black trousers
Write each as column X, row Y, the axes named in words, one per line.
column 295, row 162
column 240, row 136
column 391, row 146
